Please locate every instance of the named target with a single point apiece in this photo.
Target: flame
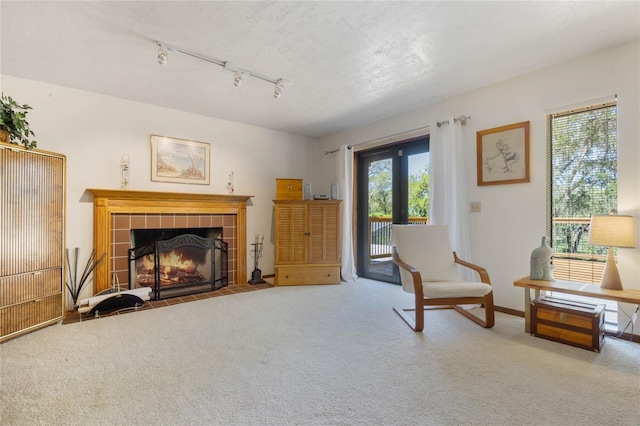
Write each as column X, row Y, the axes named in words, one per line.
column 169, row 262
column 147, row 263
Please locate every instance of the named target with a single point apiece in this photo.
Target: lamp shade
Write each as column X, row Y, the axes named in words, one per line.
column 612, row 231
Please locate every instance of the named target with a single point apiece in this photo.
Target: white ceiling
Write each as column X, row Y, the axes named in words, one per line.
column 349, row 62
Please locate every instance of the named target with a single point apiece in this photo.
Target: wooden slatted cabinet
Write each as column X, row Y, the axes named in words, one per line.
column 32, row 212
column 307, row 243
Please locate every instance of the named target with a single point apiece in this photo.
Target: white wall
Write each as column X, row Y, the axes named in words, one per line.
column 94, row 132
column 513, row 217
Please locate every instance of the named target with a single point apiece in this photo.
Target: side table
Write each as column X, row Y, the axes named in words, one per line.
column 571, row 287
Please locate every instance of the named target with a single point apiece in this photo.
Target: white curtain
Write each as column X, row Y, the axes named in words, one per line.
column 448, row 200
column 345, row 183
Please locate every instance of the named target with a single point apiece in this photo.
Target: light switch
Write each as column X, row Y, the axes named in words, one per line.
column 475, row 207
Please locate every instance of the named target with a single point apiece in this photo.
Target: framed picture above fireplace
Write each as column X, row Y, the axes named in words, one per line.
column 180, row 160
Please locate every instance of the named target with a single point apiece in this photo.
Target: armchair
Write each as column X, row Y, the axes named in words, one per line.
column 428, row 270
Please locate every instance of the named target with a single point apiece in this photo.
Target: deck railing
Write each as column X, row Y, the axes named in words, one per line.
column 380, row 234
column 580, row 262
column 586, row 265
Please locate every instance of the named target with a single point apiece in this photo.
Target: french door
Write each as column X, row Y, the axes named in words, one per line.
column 393, row 187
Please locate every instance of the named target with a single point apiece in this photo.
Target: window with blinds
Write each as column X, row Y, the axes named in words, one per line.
column 582, row 181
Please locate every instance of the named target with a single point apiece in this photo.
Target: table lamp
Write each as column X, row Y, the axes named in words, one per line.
column 611, row 231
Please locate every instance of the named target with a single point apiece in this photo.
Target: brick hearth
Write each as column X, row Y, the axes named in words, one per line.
column 74, row 316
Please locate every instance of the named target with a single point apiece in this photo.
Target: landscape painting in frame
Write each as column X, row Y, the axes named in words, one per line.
column 179, row 160
column 503, row 154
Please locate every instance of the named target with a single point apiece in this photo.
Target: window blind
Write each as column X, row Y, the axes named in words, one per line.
column 582, row 181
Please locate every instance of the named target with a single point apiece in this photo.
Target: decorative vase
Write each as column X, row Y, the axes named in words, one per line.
column 541, row 262
column 4, row 136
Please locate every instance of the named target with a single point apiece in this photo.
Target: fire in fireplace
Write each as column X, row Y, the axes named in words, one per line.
column 177, row 262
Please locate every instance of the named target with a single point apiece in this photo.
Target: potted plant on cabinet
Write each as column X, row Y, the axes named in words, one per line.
column 14, row 127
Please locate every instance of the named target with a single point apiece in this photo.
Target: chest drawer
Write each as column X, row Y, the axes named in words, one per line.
column 21, row 317
column 574, row 323
column 22, row 287
column 308, row 274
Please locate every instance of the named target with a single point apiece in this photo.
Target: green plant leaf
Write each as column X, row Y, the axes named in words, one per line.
column 13, row 120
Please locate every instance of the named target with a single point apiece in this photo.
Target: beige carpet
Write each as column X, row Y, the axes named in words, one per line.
column 313, row 355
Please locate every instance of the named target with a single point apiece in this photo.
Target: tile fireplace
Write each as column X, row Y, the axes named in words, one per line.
column 118, row 212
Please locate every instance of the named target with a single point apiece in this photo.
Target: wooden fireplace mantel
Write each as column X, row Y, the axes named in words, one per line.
column 112, row 201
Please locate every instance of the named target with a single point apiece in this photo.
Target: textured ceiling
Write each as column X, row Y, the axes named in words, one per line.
column 349, row 62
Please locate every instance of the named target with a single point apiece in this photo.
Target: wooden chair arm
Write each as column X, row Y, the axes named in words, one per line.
column 415, row 274
column 484, row 275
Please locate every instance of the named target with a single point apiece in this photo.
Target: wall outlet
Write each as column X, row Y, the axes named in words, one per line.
column 475, row 207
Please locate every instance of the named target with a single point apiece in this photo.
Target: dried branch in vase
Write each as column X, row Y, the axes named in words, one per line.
column 75, row 285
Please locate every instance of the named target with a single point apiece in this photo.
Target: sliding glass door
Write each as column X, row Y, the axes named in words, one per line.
column 393, row 187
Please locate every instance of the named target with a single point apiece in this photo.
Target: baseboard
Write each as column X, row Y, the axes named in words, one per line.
column 624, row 336
column 509, row 311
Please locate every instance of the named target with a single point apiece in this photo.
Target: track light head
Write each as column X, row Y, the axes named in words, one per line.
column 163, row 54
column 279, row 84
column 238, row 73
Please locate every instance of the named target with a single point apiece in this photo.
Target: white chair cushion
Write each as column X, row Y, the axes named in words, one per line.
column 439, row 290
column 426, row 248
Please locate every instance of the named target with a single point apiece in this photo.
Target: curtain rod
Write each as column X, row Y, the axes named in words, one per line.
column 462, row 119
column 379, row 139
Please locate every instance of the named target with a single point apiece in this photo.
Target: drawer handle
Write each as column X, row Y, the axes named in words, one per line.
column 563, row 317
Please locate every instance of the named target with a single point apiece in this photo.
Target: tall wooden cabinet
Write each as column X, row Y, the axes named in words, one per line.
column 32, row 218
column 307, row 242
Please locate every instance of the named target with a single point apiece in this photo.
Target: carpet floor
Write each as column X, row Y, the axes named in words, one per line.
column 310, row 355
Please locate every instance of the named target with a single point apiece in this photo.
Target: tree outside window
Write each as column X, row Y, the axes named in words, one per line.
column 583, row 182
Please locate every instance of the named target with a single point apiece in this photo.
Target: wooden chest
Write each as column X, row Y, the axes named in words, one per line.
column 579, row 324
column 288, row 189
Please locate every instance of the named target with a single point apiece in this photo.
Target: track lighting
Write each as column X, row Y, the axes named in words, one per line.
column 239, row 73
